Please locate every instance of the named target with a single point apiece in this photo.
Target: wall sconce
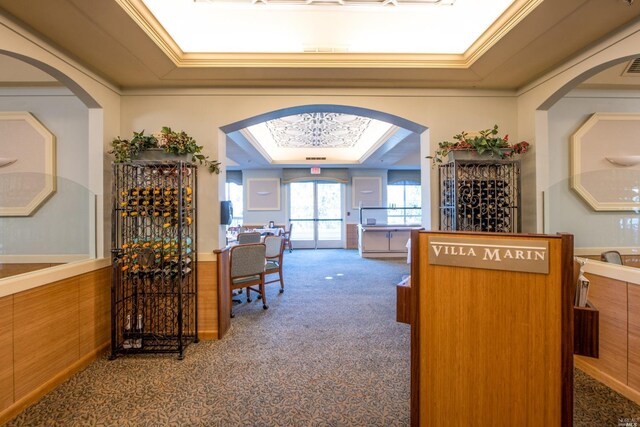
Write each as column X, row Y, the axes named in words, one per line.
column 623, row 160
column 6, row 161
column 263, row 193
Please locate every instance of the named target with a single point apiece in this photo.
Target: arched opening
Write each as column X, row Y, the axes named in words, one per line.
column 320, row 173
column 63, row 227
column 563, row 114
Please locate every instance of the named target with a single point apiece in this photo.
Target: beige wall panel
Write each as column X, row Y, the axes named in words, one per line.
column 633, row 292
column 466, row 363
column 45, row 334
column 201, row 113
column 94, row 305
column 207, row 300
column 609, row 297
column 6, row 352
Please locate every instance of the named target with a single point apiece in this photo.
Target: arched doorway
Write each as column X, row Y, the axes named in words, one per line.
column 308, row 149
column 72, row 118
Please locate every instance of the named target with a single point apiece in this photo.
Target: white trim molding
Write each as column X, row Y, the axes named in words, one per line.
column 24, row 282
column 43, row 258
column 612, row 271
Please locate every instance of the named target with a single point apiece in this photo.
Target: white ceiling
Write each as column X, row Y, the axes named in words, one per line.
column 429, row 28
column 516, row 49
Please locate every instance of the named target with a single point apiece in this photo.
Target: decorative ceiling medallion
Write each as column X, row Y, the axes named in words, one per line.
column 319, row 130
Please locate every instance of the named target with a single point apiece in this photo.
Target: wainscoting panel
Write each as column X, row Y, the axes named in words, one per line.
column 352, row 236
column 609, row 296
column 6, row 352
column 49, row 333
column 45, row 334
column 94, row 299
column 207, row 300
column 633, row 292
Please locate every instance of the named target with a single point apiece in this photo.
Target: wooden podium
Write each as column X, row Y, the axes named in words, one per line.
column 492, row 329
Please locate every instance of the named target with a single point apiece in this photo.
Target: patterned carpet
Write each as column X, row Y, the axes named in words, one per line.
column 328, row 352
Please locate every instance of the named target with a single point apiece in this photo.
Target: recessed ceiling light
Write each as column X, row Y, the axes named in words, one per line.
column 416, row 26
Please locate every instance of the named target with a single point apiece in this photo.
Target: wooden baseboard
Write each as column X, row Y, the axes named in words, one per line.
column 208, row 335
column 607, row 380
column 35, row 395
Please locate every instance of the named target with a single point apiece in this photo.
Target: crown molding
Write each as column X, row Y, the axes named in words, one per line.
column 506, row 22
column 138, row 11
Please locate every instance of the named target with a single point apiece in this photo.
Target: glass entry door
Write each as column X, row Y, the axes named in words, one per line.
column 315, row 212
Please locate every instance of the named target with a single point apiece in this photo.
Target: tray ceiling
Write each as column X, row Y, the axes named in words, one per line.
column 291, row 26
column 134, row 54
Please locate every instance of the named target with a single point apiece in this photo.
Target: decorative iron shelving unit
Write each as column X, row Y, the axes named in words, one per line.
column 154, row 281
column 480, row 195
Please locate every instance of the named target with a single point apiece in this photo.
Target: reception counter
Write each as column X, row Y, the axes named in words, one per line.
column 383, row 241
column 615, row 291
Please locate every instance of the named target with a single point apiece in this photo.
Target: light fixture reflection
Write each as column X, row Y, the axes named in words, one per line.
column 6, row 161
column 623, row 160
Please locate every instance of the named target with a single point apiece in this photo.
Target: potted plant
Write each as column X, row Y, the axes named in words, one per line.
column 486, row 142
column 167, row 140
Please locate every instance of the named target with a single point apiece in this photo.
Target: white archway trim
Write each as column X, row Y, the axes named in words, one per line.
column 102, row 98
column 618, row 47
column 537, row 97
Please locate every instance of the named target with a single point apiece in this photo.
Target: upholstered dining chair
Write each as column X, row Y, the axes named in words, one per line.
column 246, row 269
column 274, row 255
column 287, row 237
column 613, row 257
column 244, row 238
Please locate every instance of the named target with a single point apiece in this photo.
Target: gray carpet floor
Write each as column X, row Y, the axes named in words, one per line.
column 328, row 352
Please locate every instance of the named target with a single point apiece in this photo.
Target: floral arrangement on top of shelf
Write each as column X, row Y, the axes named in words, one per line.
column 486, row 142
column 171, row 142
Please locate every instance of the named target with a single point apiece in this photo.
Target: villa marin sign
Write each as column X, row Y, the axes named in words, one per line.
column 531, row 256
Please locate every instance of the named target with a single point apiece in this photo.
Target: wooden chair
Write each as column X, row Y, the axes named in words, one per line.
column 244, row 238
column 613, row 257
column 274, row 255
column 246, row 269
column 287, row 237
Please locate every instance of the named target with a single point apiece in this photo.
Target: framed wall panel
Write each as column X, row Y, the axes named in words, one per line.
column 27, row 163
column 263, row 194
column 366, row 191
column 605, row 161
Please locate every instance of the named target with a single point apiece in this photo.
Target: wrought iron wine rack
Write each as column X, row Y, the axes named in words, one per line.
column 154, row 280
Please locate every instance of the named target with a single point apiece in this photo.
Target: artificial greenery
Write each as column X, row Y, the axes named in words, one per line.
column 486, row 141
column 125, row 150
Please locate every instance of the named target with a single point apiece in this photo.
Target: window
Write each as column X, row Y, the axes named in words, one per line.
column 234, row 193
column 404, row 194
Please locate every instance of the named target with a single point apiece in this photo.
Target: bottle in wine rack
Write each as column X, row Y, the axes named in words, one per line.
column 138, row 341
column 127, row 333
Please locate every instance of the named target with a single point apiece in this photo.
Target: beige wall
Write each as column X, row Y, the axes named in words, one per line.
column 202, row 112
